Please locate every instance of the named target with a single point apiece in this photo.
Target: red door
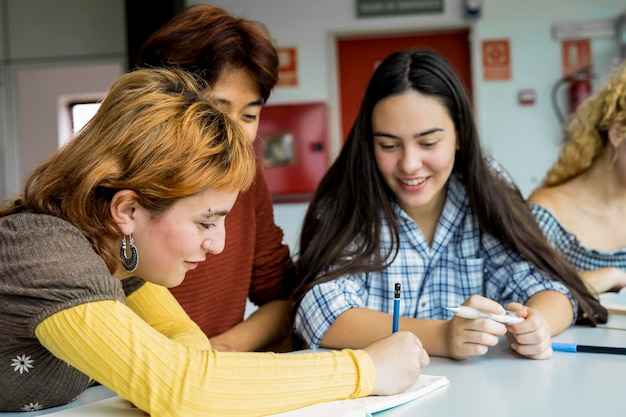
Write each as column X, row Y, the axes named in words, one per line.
column 358, row 57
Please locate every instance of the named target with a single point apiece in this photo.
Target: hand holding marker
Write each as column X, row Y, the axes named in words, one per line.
column 509, row 317
column 467, row 312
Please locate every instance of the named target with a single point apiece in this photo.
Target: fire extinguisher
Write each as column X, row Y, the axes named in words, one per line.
column 578, row 89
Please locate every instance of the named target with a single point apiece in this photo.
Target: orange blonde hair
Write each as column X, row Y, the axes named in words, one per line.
column 155, row 133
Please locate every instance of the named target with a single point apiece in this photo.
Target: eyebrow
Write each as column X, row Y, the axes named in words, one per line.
column 415, row 136
column 229, row 103
column 212, row 213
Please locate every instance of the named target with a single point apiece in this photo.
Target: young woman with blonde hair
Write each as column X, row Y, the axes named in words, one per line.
column 581, row 204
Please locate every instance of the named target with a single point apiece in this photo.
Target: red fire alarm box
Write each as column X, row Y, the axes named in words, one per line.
column 292, row 144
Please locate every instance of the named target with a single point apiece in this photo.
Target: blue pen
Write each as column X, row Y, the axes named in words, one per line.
column 396, row 307
column 573, row 347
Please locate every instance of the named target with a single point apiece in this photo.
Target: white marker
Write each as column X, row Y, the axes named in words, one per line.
column 467, row 312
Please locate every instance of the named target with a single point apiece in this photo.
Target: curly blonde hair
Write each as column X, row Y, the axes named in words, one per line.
column 586, row 131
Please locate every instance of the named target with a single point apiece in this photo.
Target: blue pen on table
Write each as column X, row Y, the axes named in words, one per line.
column 573, row 347
column 467, row 312
column 396, row 307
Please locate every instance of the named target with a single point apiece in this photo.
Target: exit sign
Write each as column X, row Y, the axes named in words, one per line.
column 371, row 8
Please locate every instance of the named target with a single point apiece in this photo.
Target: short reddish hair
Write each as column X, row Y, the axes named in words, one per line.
column 206, row 40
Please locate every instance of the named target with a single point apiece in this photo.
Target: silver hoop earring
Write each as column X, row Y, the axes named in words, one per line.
column 129, row 264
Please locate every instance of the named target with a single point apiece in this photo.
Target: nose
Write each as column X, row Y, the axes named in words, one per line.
column 215, row 244
column 251, row 132
column 410, row 161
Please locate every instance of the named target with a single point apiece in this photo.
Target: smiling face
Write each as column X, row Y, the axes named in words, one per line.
column 176, row 241
column 414, row 145
column 239, row 94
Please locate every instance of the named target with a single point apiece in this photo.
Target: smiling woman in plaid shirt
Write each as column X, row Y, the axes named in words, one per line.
column 412, row 198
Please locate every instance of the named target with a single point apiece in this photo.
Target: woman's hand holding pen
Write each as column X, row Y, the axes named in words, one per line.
column 473, row 337
column 530, row 338
column 398, row 360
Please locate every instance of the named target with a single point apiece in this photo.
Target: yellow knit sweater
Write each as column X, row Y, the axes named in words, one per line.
column 149, row 352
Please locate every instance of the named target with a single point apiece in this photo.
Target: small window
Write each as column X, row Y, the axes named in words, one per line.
column 73, row 113
column 82, row 113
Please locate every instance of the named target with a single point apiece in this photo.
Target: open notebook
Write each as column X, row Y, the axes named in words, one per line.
column 359, row 407
column 363, row 407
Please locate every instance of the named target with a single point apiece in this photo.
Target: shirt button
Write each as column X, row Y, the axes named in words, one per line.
column 424, row 304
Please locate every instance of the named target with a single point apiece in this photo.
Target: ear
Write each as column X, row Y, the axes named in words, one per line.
column 123, row 206
column 615, row 138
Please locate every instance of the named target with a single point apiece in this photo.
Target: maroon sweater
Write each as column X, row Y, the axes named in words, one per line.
column 254, row 264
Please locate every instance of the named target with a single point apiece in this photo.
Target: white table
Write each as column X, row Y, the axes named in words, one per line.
column 616, row 322
column 503, row 384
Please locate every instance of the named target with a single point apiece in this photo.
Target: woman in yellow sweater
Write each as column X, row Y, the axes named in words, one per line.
column 124, row 210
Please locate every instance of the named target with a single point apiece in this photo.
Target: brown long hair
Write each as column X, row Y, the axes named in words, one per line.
column 206, row 40
column 341, row 233
column 154, row 133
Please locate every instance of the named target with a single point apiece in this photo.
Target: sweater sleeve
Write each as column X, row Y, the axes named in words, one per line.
column 158, row 307
column 109, row 342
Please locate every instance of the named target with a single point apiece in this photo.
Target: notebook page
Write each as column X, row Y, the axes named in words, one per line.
column 362, row 407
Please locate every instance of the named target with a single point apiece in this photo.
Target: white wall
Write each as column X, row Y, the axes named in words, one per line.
column 51, row 49
column 65, row 28
column 41, row 92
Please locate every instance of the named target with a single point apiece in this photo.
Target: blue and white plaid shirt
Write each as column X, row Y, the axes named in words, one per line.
column 583, row 258
column 462, row 261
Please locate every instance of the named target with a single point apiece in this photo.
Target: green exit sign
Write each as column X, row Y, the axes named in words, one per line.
column 370, row 8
